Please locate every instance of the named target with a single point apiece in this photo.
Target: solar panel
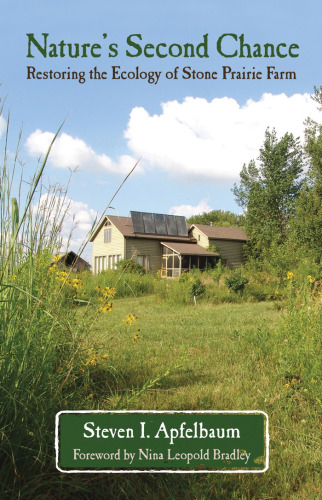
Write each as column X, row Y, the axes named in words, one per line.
column 137, row 222
column 160, row 225
column 182, row 225
column 172, row 225
column 149, row 223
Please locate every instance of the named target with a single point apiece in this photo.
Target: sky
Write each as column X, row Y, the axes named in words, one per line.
column 190, row 120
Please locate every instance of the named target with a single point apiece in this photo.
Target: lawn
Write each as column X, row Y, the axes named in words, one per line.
column 220, row 357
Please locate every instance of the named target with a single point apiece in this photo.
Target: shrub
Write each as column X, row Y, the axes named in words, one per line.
column 236, row 281
column 130, row 266
column 197, row 288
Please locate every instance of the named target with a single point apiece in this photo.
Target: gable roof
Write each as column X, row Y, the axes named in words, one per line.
column 125, row 226
column 221, row 233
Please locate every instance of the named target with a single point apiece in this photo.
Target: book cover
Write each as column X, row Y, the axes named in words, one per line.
column 160, row 241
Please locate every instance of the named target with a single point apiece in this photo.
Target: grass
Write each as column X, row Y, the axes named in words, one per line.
column 228, row 359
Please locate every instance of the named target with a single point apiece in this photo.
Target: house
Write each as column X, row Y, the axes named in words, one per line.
column 228, row 240
column 71, row 259
column 163, row 242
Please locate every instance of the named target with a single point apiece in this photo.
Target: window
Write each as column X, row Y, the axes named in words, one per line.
column 107, row 235
column 144, row 261
column 112, row 260
column 100, row 264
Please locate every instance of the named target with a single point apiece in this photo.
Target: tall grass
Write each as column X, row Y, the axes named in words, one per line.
column 39, row 342
column 48, row 360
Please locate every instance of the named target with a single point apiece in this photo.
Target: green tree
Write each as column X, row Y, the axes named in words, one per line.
column 222, row 218
column 307, row 220
column 268, row 191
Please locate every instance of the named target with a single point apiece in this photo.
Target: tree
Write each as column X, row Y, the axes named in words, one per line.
column 268, row 191
column 218, row 218
column 307, row 220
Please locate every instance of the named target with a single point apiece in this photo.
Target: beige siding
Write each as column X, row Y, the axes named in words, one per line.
column 231, row 251
column 152, row 248
column 202, row 240
column 115, row 247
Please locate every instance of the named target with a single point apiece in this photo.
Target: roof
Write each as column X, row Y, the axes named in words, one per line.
column 124, row 225
column 72, row 257
column 189, row 249
column 221, row 233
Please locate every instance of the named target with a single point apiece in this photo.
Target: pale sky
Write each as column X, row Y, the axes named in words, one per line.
column 191, row 135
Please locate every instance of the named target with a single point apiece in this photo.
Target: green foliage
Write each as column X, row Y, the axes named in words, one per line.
column 197, row 288
column 130, row 266
column 299, row 336
column 306, row 224
column 236, row 281
column 222, row 218
column 213, row 248
column 269, row 191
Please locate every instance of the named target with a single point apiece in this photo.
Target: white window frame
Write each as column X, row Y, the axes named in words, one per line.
column 108, row 235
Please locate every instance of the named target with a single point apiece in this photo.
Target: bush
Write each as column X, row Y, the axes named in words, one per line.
column 197, row 288
column 236, row 281
column 130, row 266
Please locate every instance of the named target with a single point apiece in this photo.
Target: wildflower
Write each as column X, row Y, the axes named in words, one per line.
column 108, row 292
column 311, row 280
column 129, row 319
column 287, row 385
column 276, row 292
column 104, row 356
column 91, row 362
column 313, row 381
column 52, row 268
column 97, row 288
column 106, row 307
column 290, row 275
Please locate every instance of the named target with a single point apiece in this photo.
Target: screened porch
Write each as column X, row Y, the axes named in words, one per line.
column 181, row 257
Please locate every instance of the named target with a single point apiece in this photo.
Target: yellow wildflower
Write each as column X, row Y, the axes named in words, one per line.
column 108, row 292
column 136, row 338
column 104, row 356
column 107, row 307
column 129, row 319
column 91, row 362
column 313, row 381
column 311, row 280
column 290, row 275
